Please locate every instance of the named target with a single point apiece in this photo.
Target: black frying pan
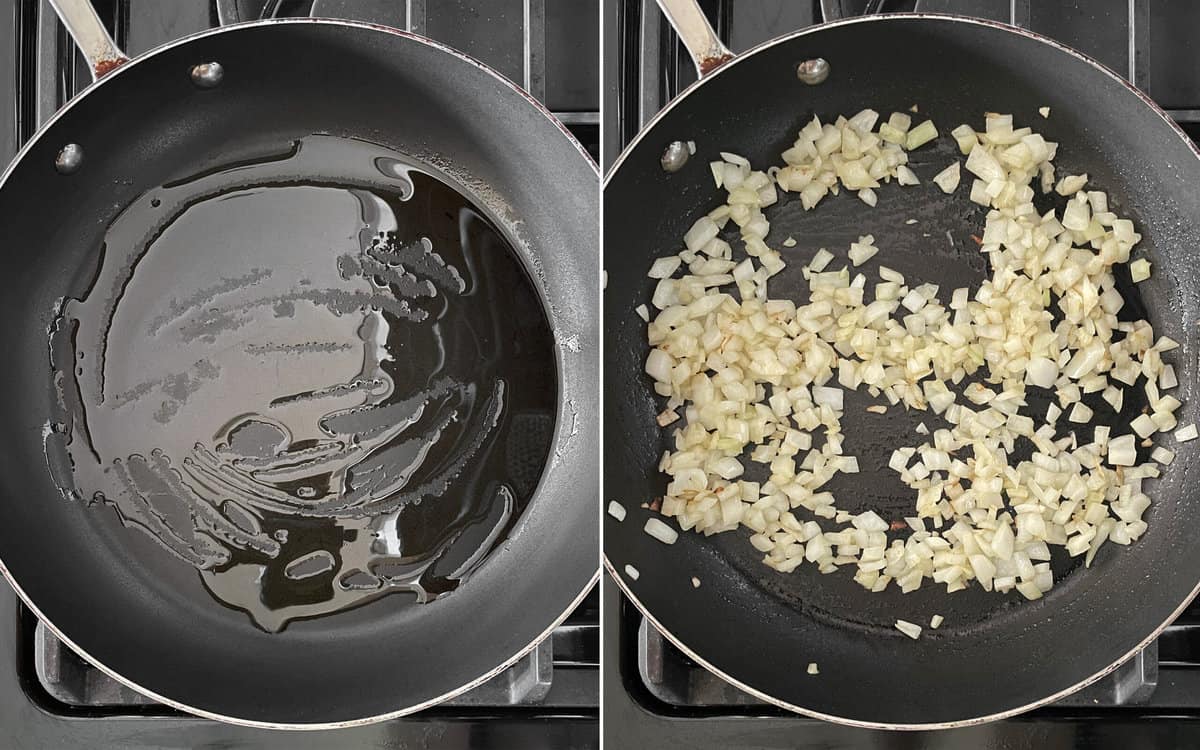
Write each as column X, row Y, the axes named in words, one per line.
column 995, row 655
column 170, row 151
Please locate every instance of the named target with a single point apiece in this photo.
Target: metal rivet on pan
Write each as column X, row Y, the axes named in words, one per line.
column 207, row 75
column 813, row 71
column 675, row 156
column 69, row 159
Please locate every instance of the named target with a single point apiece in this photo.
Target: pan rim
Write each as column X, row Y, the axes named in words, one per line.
column 578, row 598
column 611, row 567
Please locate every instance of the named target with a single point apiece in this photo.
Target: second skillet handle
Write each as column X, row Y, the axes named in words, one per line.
column 697, row 34
column 94, row 42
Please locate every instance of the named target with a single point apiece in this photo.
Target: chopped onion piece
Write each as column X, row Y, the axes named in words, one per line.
column 1144, row 425
column 912, row 630
column 632, row 572
column 664, row 268
column 701, row 232
column 1081, row 413
column 1163, row 455
column 1114, row 396
column 936, row 621
column 905, row 176
column 1139, row 270
column 828, row 396
column 920, row 135
column 983, row 165
column 1167, row 379
column 1122, row 451
column 948, row 178
column 616, row 510
column 659, row 365
column 718, row 172
column 861, row 252
column 820, row 260
column 1042, row 372
column 813, row 668
column 1184, row 434
column 660, row 531
column 1070, row 185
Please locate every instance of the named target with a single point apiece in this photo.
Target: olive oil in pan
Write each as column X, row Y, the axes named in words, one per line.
column 316, row 391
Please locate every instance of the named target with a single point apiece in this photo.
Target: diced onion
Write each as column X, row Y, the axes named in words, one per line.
column 664, row 268
column 749, row 378
column 660, row 531
column 905, row 176
column 1163, row 455
column 948, row 178
column 616, row 510
column 1042, row 372
column 1080, row 414
column 820, row 260
column 861, row 252
column 1122, row 451
column 1139, row 270
column 1143, row 425
column 1070, row 185
column 920, row 135
column 912, row 630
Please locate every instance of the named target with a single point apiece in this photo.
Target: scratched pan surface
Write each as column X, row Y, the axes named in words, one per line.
column 995, row 654
column 114, row 592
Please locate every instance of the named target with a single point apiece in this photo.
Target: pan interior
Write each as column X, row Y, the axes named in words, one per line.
column 319, row 132
column 292, row 373
column 994, row 653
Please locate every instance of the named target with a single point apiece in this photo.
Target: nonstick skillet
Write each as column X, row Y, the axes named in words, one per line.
column 242, row 97
column 994, row 656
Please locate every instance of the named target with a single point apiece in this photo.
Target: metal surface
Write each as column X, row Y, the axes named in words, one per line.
column 208, row 75
column 560, row 584
column 69, row 159
column 94, row 41
column 675, row 155
column 1024, row 638
column 635, row 716
column 1149, row 43
column 33, row 719
column 557, row 676
column 676, row 681
column 706, row 48
column 814, row 71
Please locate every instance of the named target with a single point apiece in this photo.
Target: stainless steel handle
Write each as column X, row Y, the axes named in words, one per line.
column 696, row 33
column 93, row 40
column 228, row 12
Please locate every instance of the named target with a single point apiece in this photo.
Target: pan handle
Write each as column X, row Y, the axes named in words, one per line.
column 93, row 40
column 697, row 34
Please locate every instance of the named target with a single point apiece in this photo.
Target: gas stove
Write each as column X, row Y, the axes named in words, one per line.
column 49, row 696
column 654, row 695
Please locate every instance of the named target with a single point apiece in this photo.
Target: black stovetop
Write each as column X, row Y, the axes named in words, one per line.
column 51, row 698
column 654, row 696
